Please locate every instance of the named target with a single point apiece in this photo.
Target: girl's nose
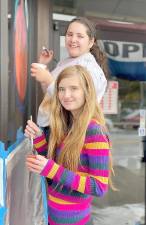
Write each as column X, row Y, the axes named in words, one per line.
column 67, row 93
column 73, row 38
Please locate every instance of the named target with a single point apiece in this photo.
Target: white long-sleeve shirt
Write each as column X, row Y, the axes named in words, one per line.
column 86, row 60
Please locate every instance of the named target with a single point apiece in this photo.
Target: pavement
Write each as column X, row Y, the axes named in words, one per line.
column 125, row 206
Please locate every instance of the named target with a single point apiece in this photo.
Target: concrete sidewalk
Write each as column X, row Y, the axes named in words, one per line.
column 131, row 214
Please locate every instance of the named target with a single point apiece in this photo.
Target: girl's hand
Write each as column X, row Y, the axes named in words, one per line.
column 40, row 74
column 46, row 56
column 32, row 130
column 36, row 163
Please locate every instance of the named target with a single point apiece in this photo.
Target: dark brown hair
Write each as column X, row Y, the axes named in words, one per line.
column 99, row 55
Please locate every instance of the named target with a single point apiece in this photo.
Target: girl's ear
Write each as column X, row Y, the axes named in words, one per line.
column 91, row 42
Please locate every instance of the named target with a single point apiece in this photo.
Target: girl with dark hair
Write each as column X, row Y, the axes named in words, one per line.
column 80, row 42
column 94, row 50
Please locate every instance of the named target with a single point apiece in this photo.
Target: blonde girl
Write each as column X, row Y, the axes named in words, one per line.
column 77, row 157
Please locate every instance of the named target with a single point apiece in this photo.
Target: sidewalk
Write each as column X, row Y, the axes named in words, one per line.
column 130, row 214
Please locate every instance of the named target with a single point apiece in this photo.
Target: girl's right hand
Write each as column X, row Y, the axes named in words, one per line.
column 36, row 163
column 32, row 130
column 46, row 56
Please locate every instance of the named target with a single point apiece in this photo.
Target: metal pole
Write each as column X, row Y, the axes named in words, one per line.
column 143, row 106
column 144, row 161
column 3, row 70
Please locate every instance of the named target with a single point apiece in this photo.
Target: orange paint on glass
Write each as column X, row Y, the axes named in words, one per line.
column 21, row 52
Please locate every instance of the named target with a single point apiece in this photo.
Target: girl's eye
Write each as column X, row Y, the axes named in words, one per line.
column 61, row 89
column 80, row 36
column 74, row 88
column 69, row 34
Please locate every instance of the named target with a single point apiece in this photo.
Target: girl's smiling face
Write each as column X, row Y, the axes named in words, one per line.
column 77, row 40
column 71, row 94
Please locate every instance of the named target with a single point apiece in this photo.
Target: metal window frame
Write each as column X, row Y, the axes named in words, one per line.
column 3, row 70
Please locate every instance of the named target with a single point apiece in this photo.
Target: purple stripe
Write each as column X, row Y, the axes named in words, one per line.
column 69, row 178
column 96, row 172
column 93, row 158
column 71, row 213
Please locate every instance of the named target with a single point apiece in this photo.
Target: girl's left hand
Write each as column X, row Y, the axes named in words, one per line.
column 40, row 74
column 36, row 163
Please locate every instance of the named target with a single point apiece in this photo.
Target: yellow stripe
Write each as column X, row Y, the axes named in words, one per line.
column 41, row 143
column 83, row 174
column 97, row 145
column 103, row 180
column 53, row 171
column 82, row 182
column 58, row 200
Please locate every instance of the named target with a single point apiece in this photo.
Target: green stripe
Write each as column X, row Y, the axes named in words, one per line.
column 64, row 176
column 94, row 131
column 70, row 220
column 96, row 165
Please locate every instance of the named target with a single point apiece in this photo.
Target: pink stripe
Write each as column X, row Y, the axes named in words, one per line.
column 51, row 221
column 59, row 173
column 88, row 186
column 96, row 137
column 103, row 187
column 75, row 182
column 66, row 207
column 42, row 148
column 39, row 139
column 94, row 122
column 96, row 152
column 47, row 168
column 72, row 199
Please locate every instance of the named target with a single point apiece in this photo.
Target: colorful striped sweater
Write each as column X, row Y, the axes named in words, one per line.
column 70, row 193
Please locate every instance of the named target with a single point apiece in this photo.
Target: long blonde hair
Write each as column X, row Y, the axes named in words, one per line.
column 65, row 128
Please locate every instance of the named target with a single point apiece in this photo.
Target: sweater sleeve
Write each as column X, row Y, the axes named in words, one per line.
column 41, row 145
column 96, row 73
column 99, row 81
column 50, row 88
column 93, row 178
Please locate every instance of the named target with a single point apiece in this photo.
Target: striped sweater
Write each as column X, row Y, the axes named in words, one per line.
column 70, row 193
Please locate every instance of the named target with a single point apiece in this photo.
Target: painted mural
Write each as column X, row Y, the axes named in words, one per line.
column 20, row 51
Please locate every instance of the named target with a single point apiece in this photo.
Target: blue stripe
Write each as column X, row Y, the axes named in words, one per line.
column 128, row 70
